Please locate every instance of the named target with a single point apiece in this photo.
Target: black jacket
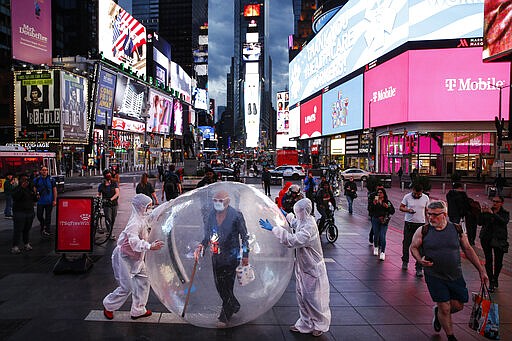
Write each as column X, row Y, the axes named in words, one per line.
column 350, row 188
column 494, row 225
column 378, row 210
column 458, row 203
column 23, row 199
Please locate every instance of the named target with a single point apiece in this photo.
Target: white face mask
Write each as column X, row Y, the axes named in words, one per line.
column 218, row 206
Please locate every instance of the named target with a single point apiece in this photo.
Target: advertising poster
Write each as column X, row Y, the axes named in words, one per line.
column 105, row 97
column 252, row 109
column 121, row 38
column 497, row 29
column 74, row 99
column 161, row 59
column 159, row 113
column 31, row 22
column 201, row 99
column 311, row 118
column 127, row 125
column 283, row 114
column 36, row 96
column 181, row 82
column 343, row 107
column 178, row 112
column 207, row 132
column 74, row 225
column 130, row 98
column 294, row 122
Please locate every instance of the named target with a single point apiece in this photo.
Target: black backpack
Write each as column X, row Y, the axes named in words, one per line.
column 171, row 185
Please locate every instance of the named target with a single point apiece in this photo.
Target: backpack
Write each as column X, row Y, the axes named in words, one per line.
column 424, row 230
column 171, row 185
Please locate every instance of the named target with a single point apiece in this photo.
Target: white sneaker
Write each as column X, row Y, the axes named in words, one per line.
column 382, row 256
column 375, row 251
column 15, row 250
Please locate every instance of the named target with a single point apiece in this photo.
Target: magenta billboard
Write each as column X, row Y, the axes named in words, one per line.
column 435, row 85
column 31, row 22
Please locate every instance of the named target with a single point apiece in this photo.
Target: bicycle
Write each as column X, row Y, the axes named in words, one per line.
column 102, row 232
column 330, row 228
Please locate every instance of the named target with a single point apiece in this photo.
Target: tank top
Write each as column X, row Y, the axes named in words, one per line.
column 444, row 248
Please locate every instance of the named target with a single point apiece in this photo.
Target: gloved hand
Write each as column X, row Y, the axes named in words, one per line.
column 283, row 211
column 265, row 224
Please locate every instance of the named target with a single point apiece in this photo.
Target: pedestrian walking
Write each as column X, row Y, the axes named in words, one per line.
column 265, row 180
column 350, row 192
column 440, row 242
column 310, row 271
column 24, row 198
column 128, row 263
column 108, row 190
column 172, row 184
column 46, row 189
column 309, row 189
column 381, row 210
column 9, row 186
column 494, row 238
column 414, row 204
column 146, row 188
column 500, row 183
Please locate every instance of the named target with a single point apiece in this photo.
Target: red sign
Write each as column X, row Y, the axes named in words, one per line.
column 74, row 225
column 311, row 118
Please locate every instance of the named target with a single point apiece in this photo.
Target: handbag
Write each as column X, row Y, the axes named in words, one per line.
column 385, row 219
column 500, row 244
column 484, row 316
column 354, row 195
column 245, row 274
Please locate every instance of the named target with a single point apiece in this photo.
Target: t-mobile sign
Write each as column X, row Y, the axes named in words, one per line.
column 436, row 85
column 311, row 118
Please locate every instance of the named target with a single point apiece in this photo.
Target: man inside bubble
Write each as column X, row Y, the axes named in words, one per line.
column 225, row 232
column 310, row 271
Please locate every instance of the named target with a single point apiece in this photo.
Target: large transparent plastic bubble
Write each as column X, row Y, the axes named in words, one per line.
column 182, row 223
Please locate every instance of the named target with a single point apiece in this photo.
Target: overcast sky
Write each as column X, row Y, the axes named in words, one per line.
column 220, row 45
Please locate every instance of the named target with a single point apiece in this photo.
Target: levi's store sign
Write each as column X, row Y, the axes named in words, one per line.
column 442, row 85
column 311, row 118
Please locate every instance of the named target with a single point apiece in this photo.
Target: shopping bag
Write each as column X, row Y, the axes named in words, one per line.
column 484, row 316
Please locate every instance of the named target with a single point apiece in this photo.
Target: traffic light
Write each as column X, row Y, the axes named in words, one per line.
column 499, row 130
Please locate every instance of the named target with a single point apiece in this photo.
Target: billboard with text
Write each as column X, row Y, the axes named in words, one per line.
column 311, row 118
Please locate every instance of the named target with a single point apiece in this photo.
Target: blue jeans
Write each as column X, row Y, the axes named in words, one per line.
column 350, row 200
column 8, row 205
column 379, row 234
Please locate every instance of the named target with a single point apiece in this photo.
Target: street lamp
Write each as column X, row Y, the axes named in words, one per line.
column 145, row 116
column 499, row 122
column 368, row 136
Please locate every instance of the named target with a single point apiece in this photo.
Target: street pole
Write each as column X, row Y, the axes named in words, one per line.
column 369, row 133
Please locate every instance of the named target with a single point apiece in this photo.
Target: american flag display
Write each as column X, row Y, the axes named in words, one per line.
column 128, row 34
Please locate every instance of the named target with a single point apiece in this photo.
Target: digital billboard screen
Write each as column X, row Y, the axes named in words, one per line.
column 251, row 52
column 130, row 98
column 295, row 122
column 283, row 114
column 161, row 59
column 160, row 113
column 178, row 112
column 207, row 132
column 252, row 109
column 311, row 118
column 497, row 29
column 74, row 99
column 121, row 38
column 342, row 107
column 37, row 105
column 181, row 82
column 31, row 23
column 252, row 10
column 105, row 96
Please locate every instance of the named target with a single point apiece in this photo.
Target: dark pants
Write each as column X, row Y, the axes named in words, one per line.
column 22, row 224
column 409, row 229
column 311, row 196
column 224, row 275
column 266, row 186
column 110, row 216
column 350, row 200
column 493, row 272
column 44, row 215
column 8, row 205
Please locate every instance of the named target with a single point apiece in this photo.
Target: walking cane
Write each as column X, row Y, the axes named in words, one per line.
column 190, row 287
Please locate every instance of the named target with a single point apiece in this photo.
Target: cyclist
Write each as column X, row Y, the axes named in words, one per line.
column 323, row 197
column 290, row 198
column 108, row 190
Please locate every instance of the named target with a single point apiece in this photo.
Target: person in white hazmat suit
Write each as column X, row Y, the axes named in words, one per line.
column 310, row 272
column 128, row 262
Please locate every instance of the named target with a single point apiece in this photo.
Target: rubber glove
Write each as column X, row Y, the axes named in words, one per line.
column 265, row 224
column 283, row 212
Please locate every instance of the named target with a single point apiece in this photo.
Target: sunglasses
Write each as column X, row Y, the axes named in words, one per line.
column 434, row 214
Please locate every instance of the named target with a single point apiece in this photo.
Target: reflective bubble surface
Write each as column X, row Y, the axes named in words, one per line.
column 191, row 219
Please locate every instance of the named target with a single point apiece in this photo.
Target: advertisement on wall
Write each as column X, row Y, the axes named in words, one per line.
column 497, row 29
column 105, row 96
column 160, row 113
column 127, row 125
column 181, row 82
column 362, row 31
column 342, row 107
column 74, row 225
column 294, row 122
column 283, row 114
column 252, row 109
column 178, row 112
column 121, row 38
column 201, row 99
column 74, row 99
column 37, row 106
column 311, row 118
column 31, row 22
column 161, row 58
column 207, row 132
column 130, row 98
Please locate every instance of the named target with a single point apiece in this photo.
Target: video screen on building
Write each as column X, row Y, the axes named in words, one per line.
column 121, row 38
column 294, row 122
column 105, row 97
column 161, row 59
column 37, row 106
column 201, row 99
column 179, row 109
column 342, row 107
column 207, row 132
column 160, row 112
column 283, row 114
column 130, row 99
column 251, row 52
column 252, row 109
column 252, row 10
column 31, row 23
column 74, row 99
column 181, row 82
column 497, row 29
column 311, row 118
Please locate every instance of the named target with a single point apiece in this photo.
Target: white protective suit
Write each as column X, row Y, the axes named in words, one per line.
column 310, row 272
column 128, row 261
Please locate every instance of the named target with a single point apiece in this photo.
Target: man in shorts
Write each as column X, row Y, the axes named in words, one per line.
column 441, row 241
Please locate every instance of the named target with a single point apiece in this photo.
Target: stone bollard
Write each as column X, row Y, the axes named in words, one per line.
column 465, row 187
column 444, row 188
column 134, row 182
column 402, row 186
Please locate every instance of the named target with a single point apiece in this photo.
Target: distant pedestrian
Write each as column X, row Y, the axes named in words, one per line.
column 108, row 190
column 265, row 180
column 458, row 203
column 437, row 247
column 381, row 210
column 9, row 186
column 400, row 174
column 309, row 190
column 414, row 204
column 500, row 183
column 371, row 196
column 24, row 198
column 46, row 189
column 350, row 189
column 172, row 184
column 145, row 187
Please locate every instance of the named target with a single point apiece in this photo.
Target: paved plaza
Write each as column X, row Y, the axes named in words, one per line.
column 369, row 300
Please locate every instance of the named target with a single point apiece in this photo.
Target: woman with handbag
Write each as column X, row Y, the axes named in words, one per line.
column 380, row 210
column 493, row 238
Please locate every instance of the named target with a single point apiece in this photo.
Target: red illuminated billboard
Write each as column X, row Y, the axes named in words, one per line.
column 497, row 29
column 74, row 225
column 32, row 31
column 311, row 118
column 252, row 10
column 443, row 85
